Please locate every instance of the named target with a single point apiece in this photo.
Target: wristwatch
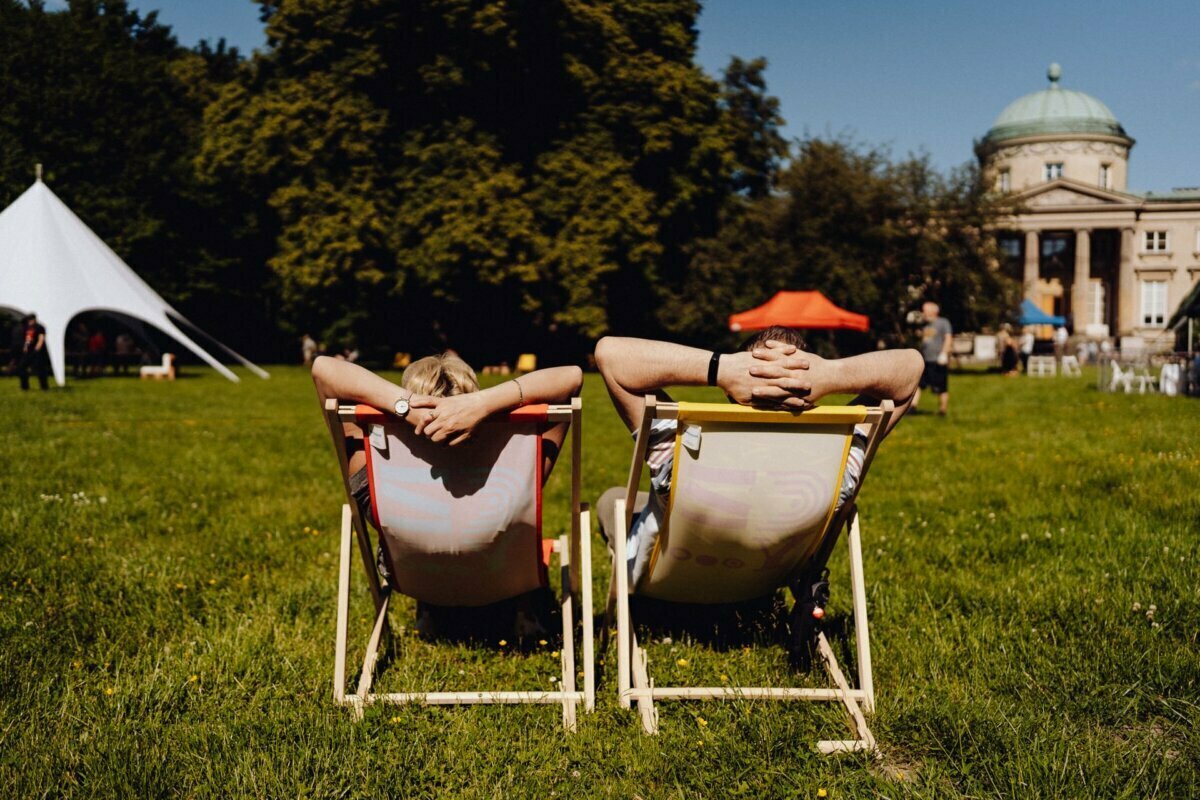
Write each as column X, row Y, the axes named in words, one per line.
column 401, row 407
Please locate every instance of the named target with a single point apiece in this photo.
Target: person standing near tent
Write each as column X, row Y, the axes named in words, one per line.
column 1027, row 340
column 935, row 349
column 29, row 343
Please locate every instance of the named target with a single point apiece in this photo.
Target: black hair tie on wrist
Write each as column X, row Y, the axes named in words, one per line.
column 713, row 364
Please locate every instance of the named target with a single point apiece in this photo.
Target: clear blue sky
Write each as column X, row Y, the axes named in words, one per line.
column 924, row 74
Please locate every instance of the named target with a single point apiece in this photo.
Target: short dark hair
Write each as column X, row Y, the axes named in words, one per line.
column 777, row 333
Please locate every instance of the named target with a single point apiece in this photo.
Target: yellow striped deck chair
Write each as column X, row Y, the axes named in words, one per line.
column 462, row 527
column 752, row 507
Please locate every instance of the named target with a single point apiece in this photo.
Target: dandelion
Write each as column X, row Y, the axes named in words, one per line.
column 307, row 529
column 396, row 720
column 554, row 654
column 682, row 662
column 462, row 672
column 504, row 643
column 103, row 499
column 180, row 586
column 724, row 679
column 77, row 664
column 822, row 793
column 702, row 722
column 212, row 581
column 109, row 691
column 541, row 642
column 1024, row 537
column 193, row 678
column 246, row 577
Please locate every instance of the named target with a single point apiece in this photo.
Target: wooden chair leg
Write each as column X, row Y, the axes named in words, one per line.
column 589, row 647
column 368, row 667
column 861, row 632
column 621, row 580
column 343, row 607
column 567, row 653
column 864, row 741
column 641, row 681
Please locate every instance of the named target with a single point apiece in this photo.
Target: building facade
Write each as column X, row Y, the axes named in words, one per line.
column 1114, row 262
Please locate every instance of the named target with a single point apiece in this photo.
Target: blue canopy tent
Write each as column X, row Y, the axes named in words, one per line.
column 1032, row 315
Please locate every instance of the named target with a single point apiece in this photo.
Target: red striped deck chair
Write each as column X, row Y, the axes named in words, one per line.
column 752, row 507
column 462, row 526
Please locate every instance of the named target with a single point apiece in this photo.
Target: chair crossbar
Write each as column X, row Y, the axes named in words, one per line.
column 466, row 698
column 740, row 693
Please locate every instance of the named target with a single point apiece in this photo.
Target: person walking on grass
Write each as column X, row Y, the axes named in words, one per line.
column 935, row 349
column 29, row 345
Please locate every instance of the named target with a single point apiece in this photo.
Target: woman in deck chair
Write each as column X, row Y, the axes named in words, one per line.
column 773, row 371
column 440, row 397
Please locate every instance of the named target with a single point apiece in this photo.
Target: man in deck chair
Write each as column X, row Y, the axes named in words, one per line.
column 771, row 371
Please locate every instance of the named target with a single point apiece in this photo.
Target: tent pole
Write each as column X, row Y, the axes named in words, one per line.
column 37, row 168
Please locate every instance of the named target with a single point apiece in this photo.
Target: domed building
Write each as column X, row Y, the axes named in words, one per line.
column 1114, row 262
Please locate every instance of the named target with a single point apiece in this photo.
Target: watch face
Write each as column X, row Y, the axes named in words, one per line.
column 401, row 407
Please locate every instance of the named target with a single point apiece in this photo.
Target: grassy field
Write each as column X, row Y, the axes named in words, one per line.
column 167, row 613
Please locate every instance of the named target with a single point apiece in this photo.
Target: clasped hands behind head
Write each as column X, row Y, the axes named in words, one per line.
column 773, row 371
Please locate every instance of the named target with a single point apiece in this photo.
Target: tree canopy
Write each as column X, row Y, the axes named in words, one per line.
column 496, row 175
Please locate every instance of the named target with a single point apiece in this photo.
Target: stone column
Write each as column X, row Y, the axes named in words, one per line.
column 1127, row 287
column 1083, row 271
column 1033, row 255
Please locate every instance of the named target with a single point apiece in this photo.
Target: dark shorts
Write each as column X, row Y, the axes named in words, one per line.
column 935, row 377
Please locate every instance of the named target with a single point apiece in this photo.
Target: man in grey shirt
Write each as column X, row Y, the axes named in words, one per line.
column 935, row 349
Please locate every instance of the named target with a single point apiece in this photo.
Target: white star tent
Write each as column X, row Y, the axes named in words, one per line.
column 52, row 264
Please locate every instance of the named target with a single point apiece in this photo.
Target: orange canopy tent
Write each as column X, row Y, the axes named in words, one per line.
column 798, row 310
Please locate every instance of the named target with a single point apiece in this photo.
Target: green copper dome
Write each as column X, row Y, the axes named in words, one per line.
column 1054, row 110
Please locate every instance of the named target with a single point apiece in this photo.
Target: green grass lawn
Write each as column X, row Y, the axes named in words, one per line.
column 167, row 614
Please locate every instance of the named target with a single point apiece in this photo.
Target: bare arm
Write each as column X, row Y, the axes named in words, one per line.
column 454, row 418
column 872, row 377
column 342, row 380
column 633, row 368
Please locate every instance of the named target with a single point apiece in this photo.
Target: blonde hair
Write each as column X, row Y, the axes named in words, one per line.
column 442, row 375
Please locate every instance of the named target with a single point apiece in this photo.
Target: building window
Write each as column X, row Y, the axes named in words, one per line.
column 1154, row 303
column 1005, row 183
column 1053, row 170
column 1156, row 242
column 1105, row 176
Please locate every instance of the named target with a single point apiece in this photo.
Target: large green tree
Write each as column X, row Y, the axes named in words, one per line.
column 112, row 105
column 539, row 164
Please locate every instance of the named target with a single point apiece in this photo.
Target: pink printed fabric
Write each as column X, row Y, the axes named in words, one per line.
column 461, row 524
column 660, row 454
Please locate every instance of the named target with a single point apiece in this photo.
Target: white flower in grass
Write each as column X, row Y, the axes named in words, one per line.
column 1137, row 606
column 1024, row 537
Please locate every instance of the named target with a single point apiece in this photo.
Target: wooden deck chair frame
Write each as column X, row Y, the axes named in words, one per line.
column 575, row 564
column 634, row 684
